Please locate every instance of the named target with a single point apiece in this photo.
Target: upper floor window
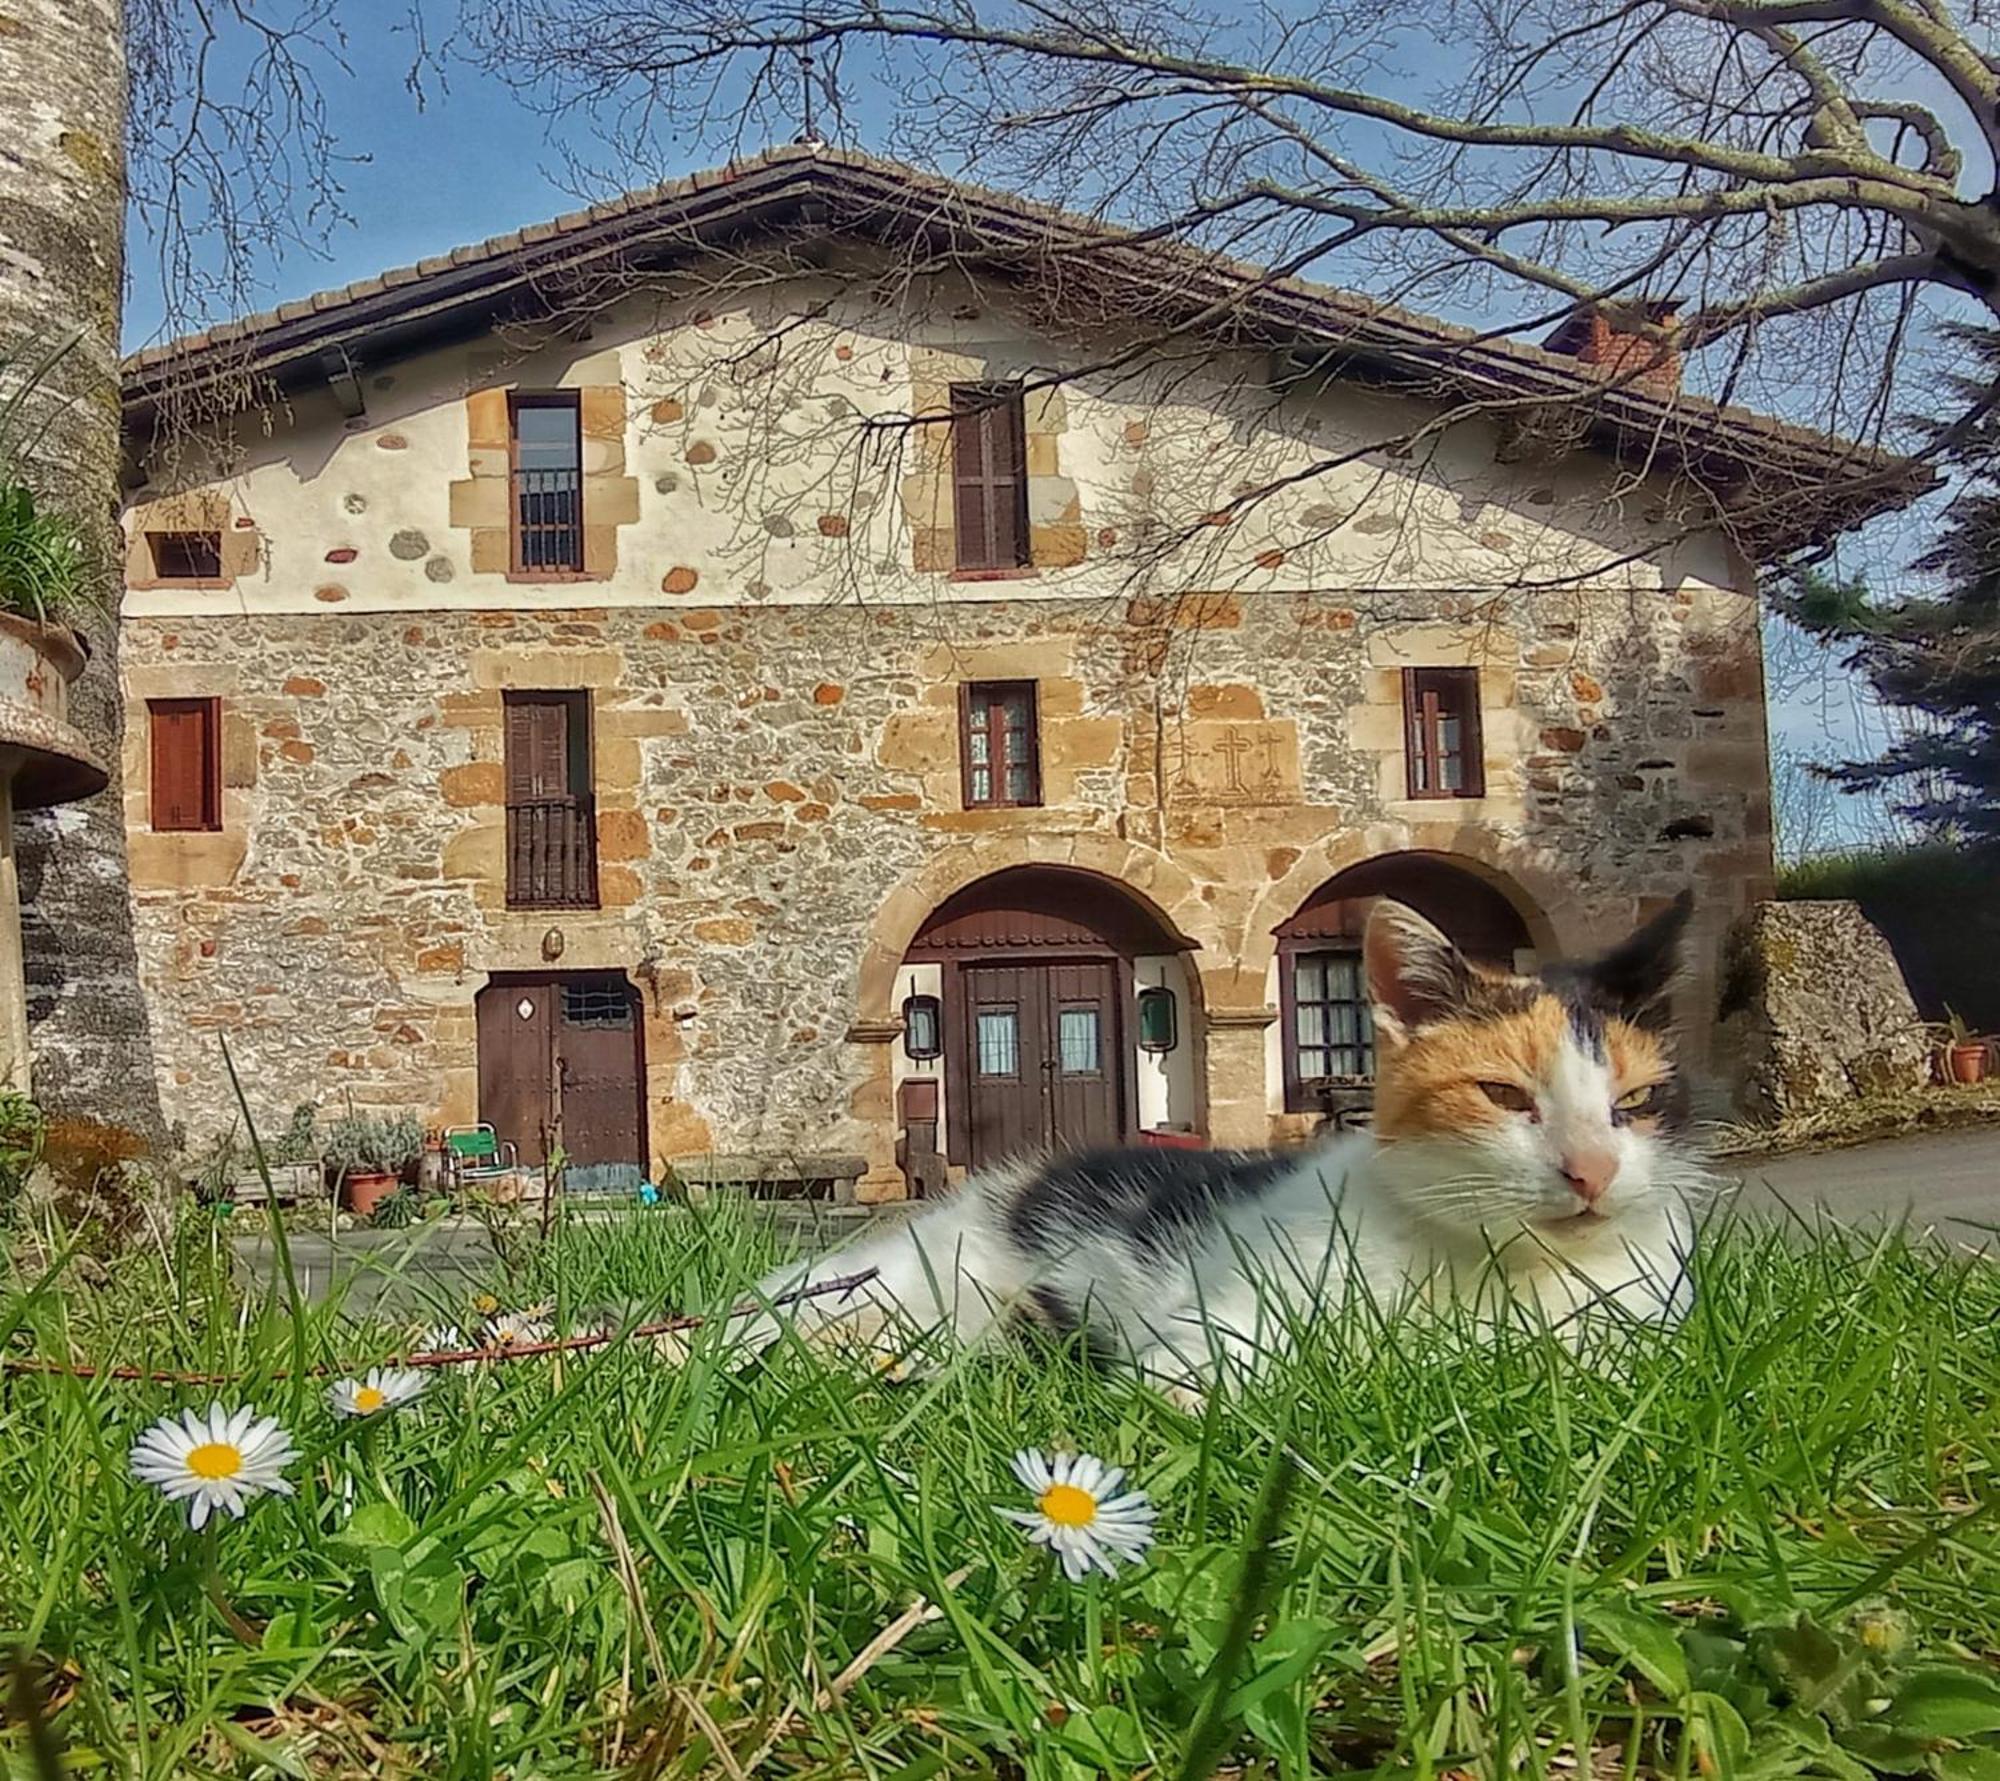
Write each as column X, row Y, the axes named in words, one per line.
column 551, row 812
column 186, row 556
column 1000, row 754
column 989, row 450
column 186, row 744
column 547, row 436
column 1441, row 725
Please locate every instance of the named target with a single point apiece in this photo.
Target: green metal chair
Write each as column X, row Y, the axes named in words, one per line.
column 477, row 1153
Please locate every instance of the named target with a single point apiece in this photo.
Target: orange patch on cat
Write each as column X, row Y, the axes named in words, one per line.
column 1429, row 1085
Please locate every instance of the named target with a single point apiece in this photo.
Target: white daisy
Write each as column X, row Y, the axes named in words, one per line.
column 444, row 1338
column 1080, row 1515
column 512, row 1329
column 385, row 1388
column 216, row 1460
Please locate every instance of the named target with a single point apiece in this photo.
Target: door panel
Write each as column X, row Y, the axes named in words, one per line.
column 1085, row 1055
column 1040, row 1062
column 1006, row 1022
column 597, row 1058
column 516, row 1061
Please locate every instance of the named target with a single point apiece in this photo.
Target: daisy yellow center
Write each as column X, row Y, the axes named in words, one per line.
column 215, row 1459
column 1068, row 1506
column 369, row 1398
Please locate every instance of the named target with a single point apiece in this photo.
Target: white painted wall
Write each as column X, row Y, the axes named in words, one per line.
column 1168, row 1097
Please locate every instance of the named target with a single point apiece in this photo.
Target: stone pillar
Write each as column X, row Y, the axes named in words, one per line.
column 43, row 762
column 874, row 1108
column 13, row 977
column 1239, row 1114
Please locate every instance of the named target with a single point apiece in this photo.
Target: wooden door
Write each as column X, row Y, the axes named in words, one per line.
column 517, row 1062
column 1039, row 1058
column 599, row 1074
column 563, row 1054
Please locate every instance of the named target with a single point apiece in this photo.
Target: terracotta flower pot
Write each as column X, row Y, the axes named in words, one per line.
column 1967, row 1062
column 361, row 1194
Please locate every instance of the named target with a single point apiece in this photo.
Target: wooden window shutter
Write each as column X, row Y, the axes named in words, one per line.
column 186, row 739
column 551, row 809
column 990, row 475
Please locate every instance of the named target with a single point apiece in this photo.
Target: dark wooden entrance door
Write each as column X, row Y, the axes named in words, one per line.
column 1038, row 1061
column 564, row 1054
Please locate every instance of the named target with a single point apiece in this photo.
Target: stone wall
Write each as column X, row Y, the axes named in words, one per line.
column 780, row 811
column 1816, row 1011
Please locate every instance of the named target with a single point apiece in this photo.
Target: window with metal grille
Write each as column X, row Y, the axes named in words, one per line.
column 547, row 433
column 1441, row 725
column 989, row 452
column 1000, row 760
column 551, row 812
column 186, row 556
column 186, row 747
column 1329, row 1028
column 605, row 1004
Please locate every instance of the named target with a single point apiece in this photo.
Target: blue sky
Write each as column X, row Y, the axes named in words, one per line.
column 471, row 161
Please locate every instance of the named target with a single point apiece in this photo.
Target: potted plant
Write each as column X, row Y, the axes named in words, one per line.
column 370, row 1153
column 1963, row 1051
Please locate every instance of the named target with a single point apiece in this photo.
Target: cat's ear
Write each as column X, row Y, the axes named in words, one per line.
column 1415, row 974
column 1635, row 979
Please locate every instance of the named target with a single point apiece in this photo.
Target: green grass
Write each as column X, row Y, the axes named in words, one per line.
column 1487, row 1555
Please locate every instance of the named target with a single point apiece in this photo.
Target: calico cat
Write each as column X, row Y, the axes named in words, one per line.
column 1523, row 1147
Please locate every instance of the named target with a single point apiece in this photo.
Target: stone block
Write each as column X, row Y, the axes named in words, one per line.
column 623, row 835
column 1058, row 546
column 1815, row 1010
column 517, row 670
column 602, row 411
column 486, row 420
column 239, row 751
column 919, row 741
column 478, row 782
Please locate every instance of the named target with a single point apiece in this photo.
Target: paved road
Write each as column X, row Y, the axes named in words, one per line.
column 1950, row 1180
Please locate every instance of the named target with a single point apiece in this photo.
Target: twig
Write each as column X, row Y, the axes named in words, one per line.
column 713, row 1733
column 457, row 1357
column 919, row 1613
column 628, row 1572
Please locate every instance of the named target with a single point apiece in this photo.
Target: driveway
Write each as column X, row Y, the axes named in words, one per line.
column 1950, row 1180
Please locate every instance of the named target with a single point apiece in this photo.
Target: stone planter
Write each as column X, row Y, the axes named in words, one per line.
column 43, row 762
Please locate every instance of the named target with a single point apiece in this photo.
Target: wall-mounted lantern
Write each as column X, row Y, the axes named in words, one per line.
column 1159, row 1019
column 923, row 1027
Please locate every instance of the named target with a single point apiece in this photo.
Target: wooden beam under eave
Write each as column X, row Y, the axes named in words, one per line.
column 338, row 370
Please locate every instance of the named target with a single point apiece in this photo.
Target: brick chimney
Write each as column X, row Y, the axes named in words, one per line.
column 1593, row 337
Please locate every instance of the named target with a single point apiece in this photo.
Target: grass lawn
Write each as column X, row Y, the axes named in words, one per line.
column 1758, row 1545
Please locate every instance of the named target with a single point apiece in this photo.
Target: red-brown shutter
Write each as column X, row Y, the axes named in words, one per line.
column 187, row 764
column 990, row 475
column 537, row 750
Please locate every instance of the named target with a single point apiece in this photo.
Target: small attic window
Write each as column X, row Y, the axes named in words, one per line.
column 186, row 556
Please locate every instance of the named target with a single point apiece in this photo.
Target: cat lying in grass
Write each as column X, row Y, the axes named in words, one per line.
column 1524, row 1149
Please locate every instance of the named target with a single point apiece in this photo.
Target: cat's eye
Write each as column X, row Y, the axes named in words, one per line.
column 1637, row 1103
column 1508, row 1095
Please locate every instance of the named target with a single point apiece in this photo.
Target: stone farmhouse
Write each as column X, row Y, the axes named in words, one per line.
column 821, row 675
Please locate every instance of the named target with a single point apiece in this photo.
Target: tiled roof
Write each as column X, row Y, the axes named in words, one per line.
column 1812, row 483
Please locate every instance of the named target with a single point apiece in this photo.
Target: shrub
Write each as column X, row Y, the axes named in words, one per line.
column 21, row 1133
column 373, row 1143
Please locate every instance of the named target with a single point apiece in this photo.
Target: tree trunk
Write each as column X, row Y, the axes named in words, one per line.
column 62, row 235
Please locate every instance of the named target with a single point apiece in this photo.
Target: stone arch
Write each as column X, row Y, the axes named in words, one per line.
column 1148, row 879
column 1548, row 908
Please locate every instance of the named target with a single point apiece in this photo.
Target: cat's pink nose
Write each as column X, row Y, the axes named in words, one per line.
column 1589, row 1173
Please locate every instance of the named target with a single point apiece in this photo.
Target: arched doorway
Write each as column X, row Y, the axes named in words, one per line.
column 1326, row 1035
column 1045, row 1008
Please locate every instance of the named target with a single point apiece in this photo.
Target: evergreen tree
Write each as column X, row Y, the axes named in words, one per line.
column 1934, row 657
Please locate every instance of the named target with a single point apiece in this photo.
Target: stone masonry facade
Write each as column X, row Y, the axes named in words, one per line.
column 773, row 645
